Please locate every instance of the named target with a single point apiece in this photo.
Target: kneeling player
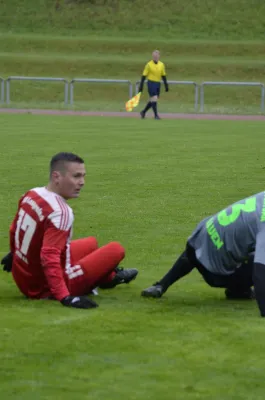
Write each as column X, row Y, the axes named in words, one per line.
column 228, row 249
column 45, row 263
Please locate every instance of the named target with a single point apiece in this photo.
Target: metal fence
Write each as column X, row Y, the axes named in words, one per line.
column 212, row 83
column 83, row 80
column 26, row 78
column 189, row 83
column 2, row 90
column 198, row 88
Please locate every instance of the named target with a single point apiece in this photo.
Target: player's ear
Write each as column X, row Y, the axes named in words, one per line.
column 55, row 176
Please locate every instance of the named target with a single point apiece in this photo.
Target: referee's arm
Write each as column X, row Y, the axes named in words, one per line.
column 164, row 78
column 145, row 73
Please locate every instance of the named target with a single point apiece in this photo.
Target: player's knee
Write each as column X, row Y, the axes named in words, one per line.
column 117, row 249
column 92, row 242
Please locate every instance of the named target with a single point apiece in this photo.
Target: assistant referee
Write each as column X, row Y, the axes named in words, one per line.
column 153, row 71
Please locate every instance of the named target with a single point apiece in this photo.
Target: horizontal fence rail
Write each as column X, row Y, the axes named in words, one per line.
column 2, row 90
column 83, row 80
column 199, row 89
column 213, row 83
column 196, row 89
column 28, row 78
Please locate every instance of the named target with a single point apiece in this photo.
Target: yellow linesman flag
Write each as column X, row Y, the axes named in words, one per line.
column 133, row 102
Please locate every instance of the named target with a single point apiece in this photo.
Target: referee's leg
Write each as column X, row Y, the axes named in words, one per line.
column 153, row 91
column 149, row 103
column 154, row 99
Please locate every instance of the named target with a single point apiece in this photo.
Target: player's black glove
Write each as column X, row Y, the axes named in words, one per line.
column 78, row 302
column 7, row 262
column 166, row 88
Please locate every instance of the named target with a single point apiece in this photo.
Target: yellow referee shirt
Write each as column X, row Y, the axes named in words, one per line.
column 154, row 71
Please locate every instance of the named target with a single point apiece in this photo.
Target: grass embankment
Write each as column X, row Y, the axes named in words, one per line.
column 206, row 42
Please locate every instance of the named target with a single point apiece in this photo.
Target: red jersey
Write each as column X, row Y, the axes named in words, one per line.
column 40, row 243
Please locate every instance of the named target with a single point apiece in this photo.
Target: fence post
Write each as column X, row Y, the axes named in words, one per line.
column 66, row 90
column 8, row 91
column 130, row 90
column 196, row 96
column 2, row 96
column 72, row 92
column 262, row 97
column 202, row 97
column 136, row 87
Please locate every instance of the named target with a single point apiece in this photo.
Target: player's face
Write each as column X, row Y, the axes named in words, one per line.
column 156, row 56
column 72, row 180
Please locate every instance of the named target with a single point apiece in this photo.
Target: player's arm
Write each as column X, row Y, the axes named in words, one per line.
column 8, row 259
column 54, row 243
column 145, row 73
column 12, row 232
column 259, row 271
column 164, row 77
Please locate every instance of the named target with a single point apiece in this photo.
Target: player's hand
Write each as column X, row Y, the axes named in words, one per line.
column 7, row 262
column 167, row 88
column 78, row 302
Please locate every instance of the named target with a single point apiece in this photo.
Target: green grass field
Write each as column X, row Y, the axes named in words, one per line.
column 199, row 41
column 146, row 188
column 227, row 19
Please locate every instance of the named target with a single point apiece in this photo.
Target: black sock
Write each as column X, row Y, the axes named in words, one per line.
column 154, row 107
column 181, row 268
column 147, row 107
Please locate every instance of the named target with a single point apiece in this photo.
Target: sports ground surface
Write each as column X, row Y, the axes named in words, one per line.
column 133, row 114
column 148, row 184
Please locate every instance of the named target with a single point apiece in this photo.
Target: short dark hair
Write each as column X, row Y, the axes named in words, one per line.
column 59, row 160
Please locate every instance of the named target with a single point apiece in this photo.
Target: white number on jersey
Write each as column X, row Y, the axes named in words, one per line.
column 27, row 224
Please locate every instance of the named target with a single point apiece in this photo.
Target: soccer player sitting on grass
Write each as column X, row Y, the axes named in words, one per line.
column 45, row 263
column 228, row 249
column 153, row 71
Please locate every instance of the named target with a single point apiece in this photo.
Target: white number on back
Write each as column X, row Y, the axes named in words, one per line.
column 28, row 225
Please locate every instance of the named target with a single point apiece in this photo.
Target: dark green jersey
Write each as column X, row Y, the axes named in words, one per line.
column 224, row 240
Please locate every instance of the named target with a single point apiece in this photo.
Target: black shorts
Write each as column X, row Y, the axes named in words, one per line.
column 153, row 88
column 240, row 280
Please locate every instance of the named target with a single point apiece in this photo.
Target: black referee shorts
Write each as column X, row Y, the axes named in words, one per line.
column 153, row 88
